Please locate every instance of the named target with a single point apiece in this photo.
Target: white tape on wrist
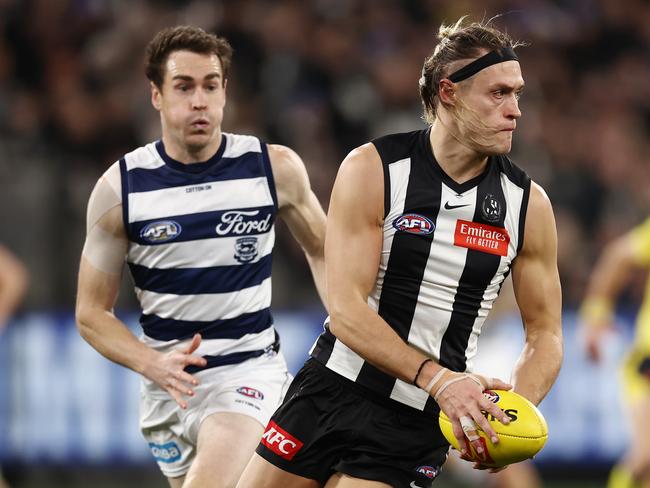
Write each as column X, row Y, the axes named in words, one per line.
column 446, row 384
column 435, row 379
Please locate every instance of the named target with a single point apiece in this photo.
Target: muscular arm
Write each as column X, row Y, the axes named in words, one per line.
column 536, row 284
column 13, row 284
column 300, row 209
column 100, row 274
column 352, row 249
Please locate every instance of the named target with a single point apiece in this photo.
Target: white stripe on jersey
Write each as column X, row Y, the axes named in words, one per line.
column 345, row 361
column 168, row 202
column 208, row 306
column 202, row 253
column 514, row 196
column 442, row 273
column 147, row 159
column 399, row 180
column 240, row 145
column 217, row 347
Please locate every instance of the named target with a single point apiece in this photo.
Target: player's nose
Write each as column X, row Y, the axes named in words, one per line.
column 512, row 109
column 199, row 100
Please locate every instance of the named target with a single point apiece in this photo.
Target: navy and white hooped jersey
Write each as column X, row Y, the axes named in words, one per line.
column 447, row 248
column 200, row 242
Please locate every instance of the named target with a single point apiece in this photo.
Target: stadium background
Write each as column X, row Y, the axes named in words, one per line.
column 321, row 76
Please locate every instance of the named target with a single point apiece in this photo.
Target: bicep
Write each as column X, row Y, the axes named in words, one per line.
column 354, row 229
column 102, row 258
column 96, row 289
column 535, row 273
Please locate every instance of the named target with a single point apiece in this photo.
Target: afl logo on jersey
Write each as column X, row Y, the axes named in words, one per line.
column 161, row 231
column 414, row 224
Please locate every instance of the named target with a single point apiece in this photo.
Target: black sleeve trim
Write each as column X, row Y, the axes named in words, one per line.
column 522, row 214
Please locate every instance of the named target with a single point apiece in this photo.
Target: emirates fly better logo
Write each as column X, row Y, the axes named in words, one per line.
column 482, row 237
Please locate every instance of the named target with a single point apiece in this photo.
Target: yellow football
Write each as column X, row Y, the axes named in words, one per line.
column 521, row 439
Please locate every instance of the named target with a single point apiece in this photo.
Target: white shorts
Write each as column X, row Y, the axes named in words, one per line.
column 254, row 388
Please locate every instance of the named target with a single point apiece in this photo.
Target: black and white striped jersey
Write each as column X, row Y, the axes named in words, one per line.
column 447, row 248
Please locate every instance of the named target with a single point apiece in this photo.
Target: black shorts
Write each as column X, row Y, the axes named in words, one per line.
column 327, row 424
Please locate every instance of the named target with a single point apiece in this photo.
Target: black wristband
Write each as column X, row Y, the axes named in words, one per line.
column 420, row 370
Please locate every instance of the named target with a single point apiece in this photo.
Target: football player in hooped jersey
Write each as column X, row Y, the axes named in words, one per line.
column 193, row 215
column 441, row 217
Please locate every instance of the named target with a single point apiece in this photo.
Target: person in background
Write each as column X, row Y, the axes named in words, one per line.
column 193, row 215
column 611, row 273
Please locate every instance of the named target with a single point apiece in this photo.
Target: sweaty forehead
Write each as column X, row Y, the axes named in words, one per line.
column 506, row 73
column 194, row 65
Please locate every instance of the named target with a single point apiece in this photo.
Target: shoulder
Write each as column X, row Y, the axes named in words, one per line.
column 639, row 239
column 360, row 182
column 289, row 172
column 394, row 147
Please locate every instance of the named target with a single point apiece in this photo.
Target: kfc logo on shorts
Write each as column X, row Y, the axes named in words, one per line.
column 414, row 224
column 250, row 392
column 280, row 441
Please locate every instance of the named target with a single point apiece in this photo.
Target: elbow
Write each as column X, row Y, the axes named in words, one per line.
column 341, row 318
column 82, row 320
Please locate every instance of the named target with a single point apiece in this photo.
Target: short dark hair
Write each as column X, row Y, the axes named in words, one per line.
column 457, row 42
column 183, row 38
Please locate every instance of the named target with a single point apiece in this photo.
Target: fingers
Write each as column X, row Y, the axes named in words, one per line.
column 496, row 384
column 194, row 361
column 459, row 434
column 196, row 341
column 178, row 389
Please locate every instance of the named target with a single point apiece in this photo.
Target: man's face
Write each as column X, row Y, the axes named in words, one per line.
column 191, row 100
column 489, row 107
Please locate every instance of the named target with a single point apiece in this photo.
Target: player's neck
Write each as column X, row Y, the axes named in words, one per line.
column 187, row 154
column 458, row 160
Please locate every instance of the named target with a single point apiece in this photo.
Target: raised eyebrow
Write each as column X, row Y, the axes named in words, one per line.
column 211, row 76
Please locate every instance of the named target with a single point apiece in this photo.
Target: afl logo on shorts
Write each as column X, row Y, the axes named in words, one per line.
column 414, row 224
column 161, row 231
column 492, row 396
column 250, row 392
column 428, row 471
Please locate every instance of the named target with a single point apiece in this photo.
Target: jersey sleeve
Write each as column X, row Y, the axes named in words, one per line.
column 640, row 238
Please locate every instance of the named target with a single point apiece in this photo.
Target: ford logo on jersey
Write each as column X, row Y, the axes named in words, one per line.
column 240, row 222
column 414, row 224
column 161, row 231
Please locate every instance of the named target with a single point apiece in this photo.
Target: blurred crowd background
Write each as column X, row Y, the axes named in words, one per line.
column 321, row 76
